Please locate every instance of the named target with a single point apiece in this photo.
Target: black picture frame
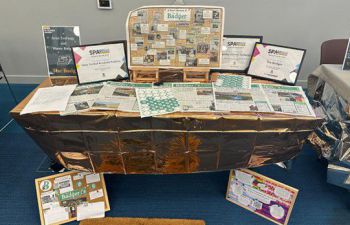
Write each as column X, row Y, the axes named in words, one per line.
column 123, row 42
column 275, row 80
column 221, row 70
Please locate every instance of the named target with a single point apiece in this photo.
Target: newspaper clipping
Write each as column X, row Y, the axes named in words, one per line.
column 82, row 98
column 194, row 97
column 288, row 99
column 249, row 100
column 119, row 96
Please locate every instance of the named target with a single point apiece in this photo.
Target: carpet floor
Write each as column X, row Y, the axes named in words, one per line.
column 193, row 196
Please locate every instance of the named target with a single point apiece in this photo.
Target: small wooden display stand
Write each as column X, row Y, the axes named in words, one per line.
column 144, row 74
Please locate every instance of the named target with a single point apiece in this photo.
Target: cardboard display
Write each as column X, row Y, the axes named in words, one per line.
column 261, row 195
column 67, row 191
column 175, row 36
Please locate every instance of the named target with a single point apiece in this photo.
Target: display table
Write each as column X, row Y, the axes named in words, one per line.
column 120, row 142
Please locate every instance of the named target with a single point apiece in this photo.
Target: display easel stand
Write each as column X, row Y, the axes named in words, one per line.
column 144, row 74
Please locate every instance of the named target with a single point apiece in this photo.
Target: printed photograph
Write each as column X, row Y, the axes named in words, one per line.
column 148, row 59
column 202, row 48
column 198, row 16
column 136, row 29
column 87, row 90
column 81, row 106
column 290, row 97
column 204, row 91
column 233, row 96
column 105, row 104
column 216, row 14
column 124, row 92
column 191, row 62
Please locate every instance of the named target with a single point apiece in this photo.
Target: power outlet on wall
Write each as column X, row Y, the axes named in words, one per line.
column 104, row 4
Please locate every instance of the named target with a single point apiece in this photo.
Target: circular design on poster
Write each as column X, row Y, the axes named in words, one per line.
column 76, row 31
column 45, row 185
column 277, row 211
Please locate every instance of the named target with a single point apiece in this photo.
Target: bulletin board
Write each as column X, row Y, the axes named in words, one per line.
column 60, row 195
column 175, row 36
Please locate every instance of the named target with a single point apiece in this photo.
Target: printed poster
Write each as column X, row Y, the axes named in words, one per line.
column 261, row 195
column 58, row 42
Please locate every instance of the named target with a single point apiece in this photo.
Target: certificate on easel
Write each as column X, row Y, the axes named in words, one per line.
column 277, row 63
column 237, row 51
column 58, row 41
column 346, row 64
column 101, row 62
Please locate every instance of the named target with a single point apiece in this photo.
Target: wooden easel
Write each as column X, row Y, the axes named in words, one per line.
column 144, row 74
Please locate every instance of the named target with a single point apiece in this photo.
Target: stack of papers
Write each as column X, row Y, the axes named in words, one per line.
column 49, row 99
column 229, row 93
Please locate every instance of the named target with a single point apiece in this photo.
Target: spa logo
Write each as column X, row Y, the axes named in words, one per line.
column 277, row 52
column 99, row 52
column 235, row 44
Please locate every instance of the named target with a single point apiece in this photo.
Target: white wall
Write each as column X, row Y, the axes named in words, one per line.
column 298, row 23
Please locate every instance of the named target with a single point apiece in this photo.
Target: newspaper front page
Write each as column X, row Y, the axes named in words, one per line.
column 194, row 97
column 119, row 96
column 246, row 100
column 82, row 98
column 288, row 99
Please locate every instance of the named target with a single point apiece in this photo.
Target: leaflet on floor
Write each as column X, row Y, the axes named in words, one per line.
column 195, row 97
column 82, row 98
column 288, row 99
column 248, row 100
column 119, row 96
column 261, row 195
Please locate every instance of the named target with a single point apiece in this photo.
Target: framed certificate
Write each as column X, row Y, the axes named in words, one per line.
column 101, row 62
column 237, row 51
column 277, row 63
column 346, row 63
column 58, row 42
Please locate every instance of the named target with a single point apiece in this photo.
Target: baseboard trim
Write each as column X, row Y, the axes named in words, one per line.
column 25, row 79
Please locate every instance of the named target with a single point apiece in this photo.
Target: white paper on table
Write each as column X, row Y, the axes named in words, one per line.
column 55, row 215
column 90, row 211
column 96, row 194
column 92, row 178
column 49, row 99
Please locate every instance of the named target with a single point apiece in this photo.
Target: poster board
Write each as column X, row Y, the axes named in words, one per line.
column 175, row 36
column 261, row 195
column 58, row 41
column 74, row 190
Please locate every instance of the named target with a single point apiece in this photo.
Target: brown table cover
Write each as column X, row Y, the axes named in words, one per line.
column 124, row 143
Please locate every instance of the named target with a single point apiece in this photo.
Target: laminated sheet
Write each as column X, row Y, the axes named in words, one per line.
column 120, row 142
